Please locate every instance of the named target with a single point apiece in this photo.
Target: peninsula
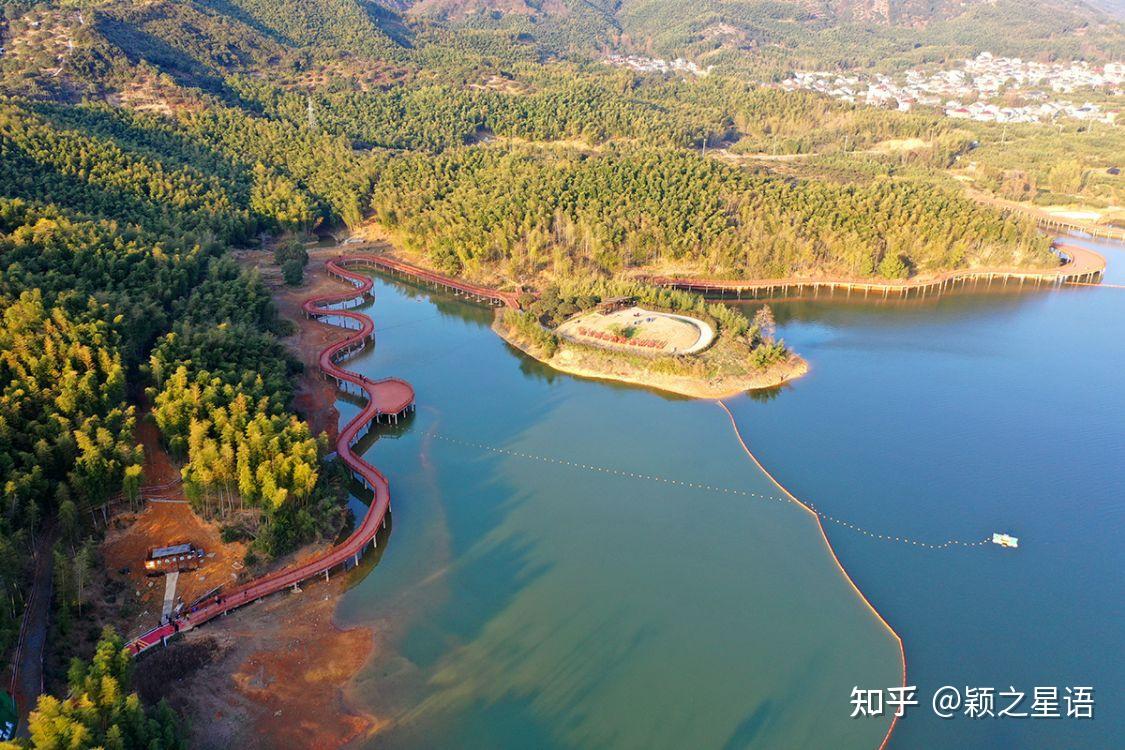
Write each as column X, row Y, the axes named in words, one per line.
column 617, row 339
column 627, row 331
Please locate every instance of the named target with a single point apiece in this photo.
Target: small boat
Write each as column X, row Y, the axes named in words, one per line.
column 1005, row 540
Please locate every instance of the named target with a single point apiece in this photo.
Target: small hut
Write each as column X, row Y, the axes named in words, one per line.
column 613, row 304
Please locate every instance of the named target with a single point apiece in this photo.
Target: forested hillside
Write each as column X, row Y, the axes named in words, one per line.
column 570, row 212
column 881, row 33
column 113, row 279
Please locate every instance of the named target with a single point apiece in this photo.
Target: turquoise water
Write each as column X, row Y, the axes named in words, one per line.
column 523, row 602
column 958, row 418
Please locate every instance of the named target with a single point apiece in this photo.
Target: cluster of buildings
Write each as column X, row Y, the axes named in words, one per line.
column 986, row 88
column 643, row 64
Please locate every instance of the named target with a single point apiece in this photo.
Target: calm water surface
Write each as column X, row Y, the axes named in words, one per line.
column 954, row 419
column 525, row 602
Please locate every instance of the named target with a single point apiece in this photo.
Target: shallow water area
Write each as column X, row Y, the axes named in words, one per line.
column 956, row 418
column 574, row 563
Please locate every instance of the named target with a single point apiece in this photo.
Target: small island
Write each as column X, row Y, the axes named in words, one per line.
column 665, row 339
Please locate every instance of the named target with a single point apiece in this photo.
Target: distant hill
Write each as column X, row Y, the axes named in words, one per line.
column 871, row 32
column 1115, row 8
column 60, row 51
column 837, row 32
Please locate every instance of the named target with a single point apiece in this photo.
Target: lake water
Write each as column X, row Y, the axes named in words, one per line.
column 957, row 418
column 549, row 583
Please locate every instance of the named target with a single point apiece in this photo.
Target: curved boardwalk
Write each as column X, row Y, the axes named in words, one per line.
column 389, row 398
column 1080, row 266
column 476, row 291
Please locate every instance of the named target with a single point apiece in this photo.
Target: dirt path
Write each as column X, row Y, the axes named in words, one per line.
column 27, row 662
column 158, row 467
column 274, row 674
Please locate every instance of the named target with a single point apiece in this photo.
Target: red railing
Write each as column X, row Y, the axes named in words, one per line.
column 387, row 263
column 389, row 396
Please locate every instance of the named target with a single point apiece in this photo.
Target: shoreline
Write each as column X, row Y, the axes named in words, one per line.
column 620, row 369
column 680, row 385
column 1082, row 266
column 254, row 673
column 267, row 688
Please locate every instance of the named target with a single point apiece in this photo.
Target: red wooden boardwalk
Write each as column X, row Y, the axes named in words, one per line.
column 389, row 398
column 394, row 265
column 1079, row 266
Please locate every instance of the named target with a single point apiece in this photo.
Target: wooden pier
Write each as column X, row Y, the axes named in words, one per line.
column 1079, row 266
column 1056, row 223
column 395, row 266
column 387, row 399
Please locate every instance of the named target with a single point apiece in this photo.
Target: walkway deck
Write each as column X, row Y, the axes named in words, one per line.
column 394, row 265
column 390, row 398
column 1080, row 266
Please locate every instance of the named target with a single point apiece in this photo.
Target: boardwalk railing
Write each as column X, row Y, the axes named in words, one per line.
column 396, row 266
column 1059, row 224
column 389, row 398
column 1079, row 266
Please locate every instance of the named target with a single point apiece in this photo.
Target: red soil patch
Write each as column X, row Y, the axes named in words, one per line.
column 301, row 676
column 132, row 535
column 277, row 677
column 159, row 467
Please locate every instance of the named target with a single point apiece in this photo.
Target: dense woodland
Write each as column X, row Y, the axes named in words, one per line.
column 114, row 280
column 140, row 141
column 573, row 212
column 100, row 709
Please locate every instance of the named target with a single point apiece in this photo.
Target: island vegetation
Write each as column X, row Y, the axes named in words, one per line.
column 743, row 356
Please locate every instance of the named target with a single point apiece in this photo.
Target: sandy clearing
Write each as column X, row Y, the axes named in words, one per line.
column 638, row 330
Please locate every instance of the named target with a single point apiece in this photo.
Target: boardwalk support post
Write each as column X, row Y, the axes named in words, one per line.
column 400, row 396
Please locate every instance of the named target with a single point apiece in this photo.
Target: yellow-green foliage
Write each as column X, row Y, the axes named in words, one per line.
column 100, row 710
column 569, row 213
column 1051, row 164
column 527, row 328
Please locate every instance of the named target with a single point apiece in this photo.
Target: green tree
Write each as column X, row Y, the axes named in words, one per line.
column 131, row 484
column 99, row 710
column 893, row 267
column 293, row 272
column 277, row 198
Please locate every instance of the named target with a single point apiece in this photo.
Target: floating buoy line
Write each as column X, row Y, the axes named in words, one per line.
column 1093, row 283
column 708, row 488
column 831, row 551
